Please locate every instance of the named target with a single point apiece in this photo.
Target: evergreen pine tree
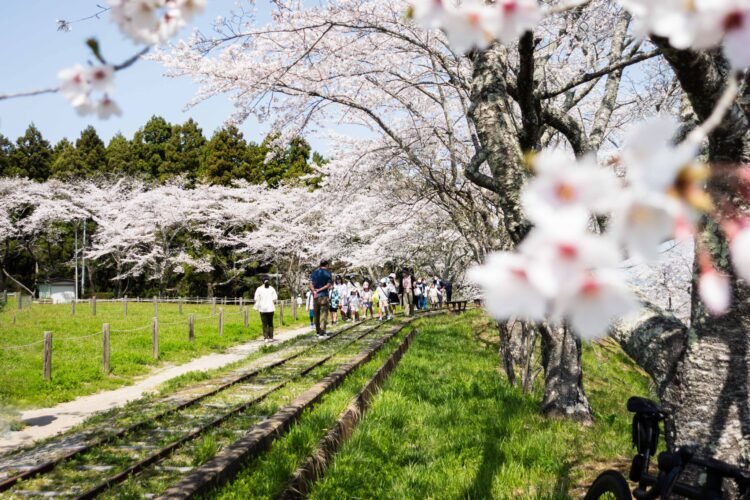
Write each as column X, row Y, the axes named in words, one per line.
column 6, row 155
column 150, row 144
column 32, row 156
column 90, row 153
column 184, row 151
column 121, row 157
column 63, row 160
column 226, row 157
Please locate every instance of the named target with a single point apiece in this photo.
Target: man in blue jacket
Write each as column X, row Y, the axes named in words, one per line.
column 321, row 282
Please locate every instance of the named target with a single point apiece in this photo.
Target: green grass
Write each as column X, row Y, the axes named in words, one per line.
column 77, row 364
column 447, row 425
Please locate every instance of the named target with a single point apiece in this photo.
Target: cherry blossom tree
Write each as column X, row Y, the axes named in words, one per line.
column 536, row 75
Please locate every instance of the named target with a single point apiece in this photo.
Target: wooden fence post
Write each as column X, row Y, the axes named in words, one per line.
column 294, row 309
column 242, row 299
column 47, row 355
column 93, row 306
column 213, row 305
column 125, row 306
column 29, row 301
column 221, row 322
column 179, row 302
column 156, row 307
column 73, row 308
column 19, row 298
column 191, row 328
column 281, row 313
column 155, row 338
column 247, row 319
column 105, row 348
column 5, row 296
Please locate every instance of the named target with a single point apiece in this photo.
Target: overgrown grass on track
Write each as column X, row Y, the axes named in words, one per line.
column 267, row 475
column 77, row 364
column 447, row 425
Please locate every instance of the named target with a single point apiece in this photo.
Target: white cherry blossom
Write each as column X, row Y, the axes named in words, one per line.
column 651, row 160
column 75, row 85
column 516, row 18
column 598, row 299
column 102, row 77
column 190, row 8
column 715, row 291
column 644, row 220
column 565, row 190
column 107, row 108
column 508, row 290
column 562, row 256
column 740, row 251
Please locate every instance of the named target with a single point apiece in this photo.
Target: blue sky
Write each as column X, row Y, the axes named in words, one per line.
column 35, row 51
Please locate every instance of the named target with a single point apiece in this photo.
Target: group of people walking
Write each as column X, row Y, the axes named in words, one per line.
column 346, row 299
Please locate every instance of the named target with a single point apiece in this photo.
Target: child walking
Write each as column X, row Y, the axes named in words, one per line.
column 354, row 303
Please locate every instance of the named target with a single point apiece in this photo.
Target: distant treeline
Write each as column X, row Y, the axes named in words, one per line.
column 159, row 152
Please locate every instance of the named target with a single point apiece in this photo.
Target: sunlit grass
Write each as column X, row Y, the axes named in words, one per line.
column 77, row 364
column 447, row 425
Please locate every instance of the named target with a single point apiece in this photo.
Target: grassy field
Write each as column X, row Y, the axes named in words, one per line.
column 447, row 425
column 77, row 362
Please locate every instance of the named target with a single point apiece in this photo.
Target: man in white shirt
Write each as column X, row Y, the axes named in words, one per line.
column 265, row 304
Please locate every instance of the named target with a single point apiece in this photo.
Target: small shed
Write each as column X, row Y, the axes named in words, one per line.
column 58, row 287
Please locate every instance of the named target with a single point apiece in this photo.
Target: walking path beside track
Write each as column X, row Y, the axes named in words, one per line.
column 43, row 423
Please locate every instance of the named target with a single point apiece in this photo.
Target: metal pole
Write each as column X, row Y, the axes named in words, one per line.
column 83, row 260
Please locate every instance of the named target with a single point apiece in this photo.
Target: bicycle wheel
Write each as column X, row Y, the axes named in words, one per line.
column 610, row 485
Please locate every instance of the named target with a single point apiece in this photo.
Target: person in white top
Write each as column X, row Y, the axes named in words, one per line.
column 265, row 304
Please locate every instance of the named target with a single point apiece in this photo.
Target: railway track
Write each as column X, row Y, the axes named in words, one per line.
column 145, row 458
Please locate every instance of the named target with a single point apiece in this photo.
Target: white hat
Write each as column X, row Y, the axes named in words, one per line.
column 392, row 275
column 384, row 281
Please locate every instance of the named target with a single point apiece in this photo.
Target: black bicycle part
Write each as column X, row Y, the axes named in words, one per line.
column 611, row 482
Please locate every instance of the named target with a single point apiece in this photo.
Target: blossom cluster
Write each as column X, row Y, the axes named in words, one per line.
column 564, row 271
column 79, row 83
column 695, row 24
column 154, row 21
column 474, row 23
column 144, row 21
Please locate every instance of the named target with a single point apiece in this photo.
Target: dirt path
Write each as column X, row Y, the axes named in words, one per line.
column 43, row 423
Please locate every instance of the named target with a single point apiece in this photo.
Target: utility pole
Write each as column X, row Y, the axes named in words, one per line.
column 75, row 259
column 83, row 260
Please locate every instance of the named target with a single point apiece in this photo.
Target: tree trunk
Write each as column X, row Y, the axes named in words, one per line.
column 506, row 351
column 563, row 376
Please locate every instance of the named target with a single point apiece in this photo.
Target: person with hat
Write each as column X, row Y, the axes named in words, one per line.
column 321, row 282
column 265, row 304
